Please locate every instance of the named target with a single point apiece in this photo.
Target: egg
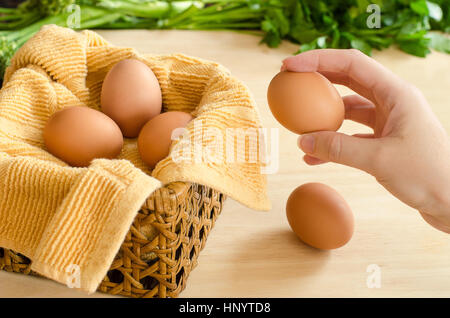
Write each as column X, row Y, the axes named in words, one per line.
column 319, row 216
column 131, row 96
column 155, row 138
column 77, row 135
column 305, row 102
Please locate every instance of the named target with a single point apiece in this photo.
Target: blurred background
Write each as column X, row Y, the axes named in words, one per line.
column 414, row 26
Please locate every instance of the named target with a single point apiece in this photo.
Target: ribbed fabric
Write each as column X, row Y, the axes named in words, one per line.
column 60, row 216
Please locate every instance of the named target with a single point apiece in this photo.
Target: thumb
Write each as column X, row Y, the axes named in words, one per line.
column 340, row 148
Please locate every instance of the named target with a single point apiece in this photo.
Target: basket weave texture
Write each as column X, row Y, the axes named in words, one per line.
column 59, row 217
column 161, row 247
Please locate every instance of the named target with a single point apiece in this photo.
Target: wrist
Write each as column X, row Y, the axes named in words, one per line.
column 437, row 211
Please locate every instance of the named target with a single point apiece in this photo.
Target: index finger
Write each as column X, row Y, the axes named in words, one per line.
column 351, row 68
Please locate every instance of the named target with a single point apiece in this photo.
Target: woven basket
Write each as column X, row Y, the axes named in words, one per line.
column 161, row 247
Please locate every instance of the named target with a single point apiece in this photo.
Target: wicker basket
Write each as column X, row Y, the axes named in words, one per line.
column 161, row 247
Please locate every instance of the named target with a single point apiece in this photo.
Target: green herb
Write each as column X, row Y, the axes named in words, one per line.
column 46, row 7
column 312, row 24
column 439, row 42
column 30, row 11
column 344, row 24
column 11, row 41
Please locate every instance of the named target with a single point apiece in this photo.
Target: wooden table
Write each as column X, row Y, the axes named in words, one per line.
column 255, row 254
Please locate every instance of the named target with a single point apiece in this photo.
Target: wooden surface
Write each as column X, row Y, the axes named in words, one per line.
column 254, row 254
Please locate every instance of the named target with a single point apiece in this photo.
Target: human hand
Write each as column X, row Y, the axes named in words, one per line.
column 409, row 150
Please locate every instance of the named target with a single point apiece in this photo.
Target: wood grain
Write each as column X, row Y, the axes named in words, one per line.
column 254, row 254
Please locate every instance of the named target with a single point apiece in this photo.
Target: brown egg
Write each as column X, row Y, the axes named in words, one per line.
column 319, row 216
column 131, row 96
column 305, row 102
column 77, row 135
column 156, row 137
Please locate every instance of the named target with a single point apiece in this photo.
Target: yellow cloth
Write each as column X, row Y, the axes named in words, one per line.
column 60, row 216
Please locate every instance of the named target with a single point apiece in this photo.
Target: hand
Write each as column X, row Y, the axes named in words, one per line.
column 409, row 150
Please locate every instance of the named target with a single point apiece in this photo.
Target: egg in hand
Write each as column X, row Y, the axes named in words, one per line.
column 305, row 102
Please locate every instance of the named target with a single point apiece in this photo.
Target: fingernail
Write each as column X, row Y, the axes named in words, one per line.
column 306, row 143
column 283, row 67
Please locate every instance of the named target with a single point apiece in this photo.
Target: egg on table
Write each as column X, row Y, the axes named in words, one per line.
column 305, row 102
column 131, row 96
column 77, row 135
column 155, row 138
column 319, row 216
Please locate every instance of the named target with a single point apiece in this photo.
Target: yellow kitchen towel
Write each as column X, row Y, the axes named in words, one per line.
column 69, row 220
